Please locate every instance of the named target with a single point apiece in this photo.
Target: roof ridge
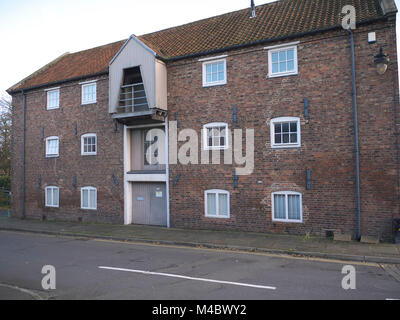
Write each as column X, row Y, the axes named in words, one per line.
column 213, row 17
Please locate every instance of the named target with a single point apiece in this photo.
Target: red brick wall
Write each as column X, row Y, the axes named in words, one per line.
column 94, row 171
column 327, row 141
column 327, row 136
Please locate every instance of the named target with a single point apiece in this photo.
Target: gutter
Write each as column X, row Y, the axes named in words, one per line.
column 356, row 145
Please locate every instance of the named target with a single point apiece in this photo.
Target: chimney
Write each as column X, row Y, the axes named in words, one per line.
column 253, row 9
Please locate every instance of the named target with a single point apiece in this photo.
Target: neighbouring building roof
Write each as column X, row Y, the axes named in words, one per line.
column 273, row 21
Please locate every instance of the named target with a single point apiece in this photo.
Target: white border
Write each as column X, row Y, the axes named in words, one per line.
column 217, row 192
column 215, row 83
column 49, row 91
column 88, row 135
column 205, row 137
column 58, row 149
column 89, row 189
column 285, row 145
column 87, row 85
column 213, row 58
column 52, row 195
column 286, row 193
column 286, row 73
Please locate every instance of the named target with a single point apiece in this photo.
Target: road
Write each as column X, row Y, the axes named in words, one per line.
column 94, row 269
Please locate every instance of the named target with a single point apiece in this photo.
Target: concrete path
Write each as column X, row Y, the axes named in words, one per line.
column 243, row 241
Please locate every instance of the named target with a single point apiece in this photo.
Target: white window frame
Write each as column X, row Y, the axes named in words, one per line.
column 52, row 197
column 205, row 136
column 88, row 189
column 214, row 83
column 88, row 84
column 285, row 145
column 272, row 50
column 50, row 155
column 217, row 192
column 48, row 92
column 286, row 194
column 88, row 135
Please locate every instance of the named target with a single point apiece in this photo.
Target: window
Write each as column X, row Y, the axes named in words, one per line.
column 89, row 144
column 53, row 99
column 52, row 146
column 217, row 203
column 282, row 61
column 89, row 93
column 215, row 136
column 287, row 206
column 214, row 73
column 52, row 197
column 89, row 198
column 285, row 132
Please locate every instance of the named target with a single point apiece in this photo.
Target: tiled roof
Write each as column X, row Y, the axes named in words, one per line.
column 273, row 21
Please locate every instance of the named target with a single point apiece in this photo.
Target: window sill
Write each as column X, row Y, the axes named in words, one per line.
column 288, row 221
column 89, row 154
column 286, row 147
column 52, row 157
column 88, row 103
column 52, row 206
column 89, row 209
column 53, row 108
column 207, row 85
column 271, row 76
column 217, row 217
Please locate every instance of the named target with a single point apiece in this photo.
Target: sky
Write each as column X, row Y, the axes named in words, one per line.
column 33, row 33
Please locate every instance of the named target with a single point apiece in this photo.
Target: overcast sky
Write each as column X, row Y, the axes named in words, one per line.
column 34, row 33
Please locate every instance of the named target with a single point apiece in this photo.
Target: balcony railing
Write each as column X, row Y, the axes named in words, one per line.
column 133, row 98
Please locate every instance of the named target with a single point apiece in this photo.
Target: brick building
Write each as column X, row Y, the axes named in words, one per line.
column 82, row 125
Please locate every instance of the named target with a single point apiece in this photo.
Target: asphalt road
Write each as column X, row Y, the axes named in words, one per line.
column 137, row 271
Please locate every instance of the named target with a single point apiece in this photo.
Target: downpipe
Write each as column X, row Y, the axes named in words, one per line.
column 23, row 154
column 356, row 145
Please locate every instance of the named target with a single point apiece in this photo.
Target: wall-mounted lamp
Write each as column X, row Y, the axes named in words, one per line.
column 381, row 62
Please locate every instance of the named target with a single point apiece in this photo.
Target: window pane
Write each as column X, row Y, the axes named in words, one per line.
column 214, row 77
column 208, row 69
column 278, row 138
column 282, row 56
column 285, row 127
column 293, row 127
column 52, row 146
column 275, row 68
column 275, row 57
column 294, row 207
column 208, row 77
column 290, row 65
column 221, row 67
column 55, row 196
column 293, row 138
column 279, row 206
column 211, row 204
column 92, row 199
column 285, row 137
column 278, row 128
column 223, row 204
column 282, row 67
column 221, row 76
column 85, row 200
column 214, row 68
column 290, row 54
column 48, row 197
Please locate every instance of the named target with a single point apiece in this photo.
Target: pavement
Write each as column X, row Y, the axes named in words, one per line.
column 82, row 268
column 306, row 246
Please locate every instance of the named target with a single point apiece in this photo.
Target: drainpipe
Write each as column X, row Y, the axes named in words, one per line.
column 356, row 146
column 23, row 155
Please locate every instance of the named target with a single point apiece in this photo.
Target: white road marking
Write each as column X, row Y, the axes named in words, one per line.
column 190, row 278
